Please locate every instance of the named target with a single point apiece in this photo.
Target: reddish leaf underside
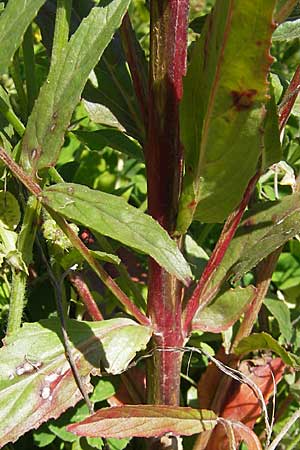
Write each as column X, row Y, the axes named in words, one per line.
column 144, row 421
column 242, row 404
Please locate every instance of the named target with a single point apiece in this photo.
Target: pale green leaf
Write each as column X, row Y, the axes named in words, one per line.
column 224, row 311
column 61, row 92
column 14, row 21
column 111, row 216
column 36, row 382
column 10, row 213
column 287, row 31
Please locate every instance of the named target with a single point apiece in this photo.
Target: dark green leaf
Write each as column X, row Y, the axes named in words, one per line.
column 273, row 224
column 264, row 229
column 113, row 88
column 111, row 216
column 224, row 311
column 145, row 421
column 61, row 92
column 97, row 140
column 14, row 21
column 197, row 24
column 36, row 382
column 222, row 109
column 264, row 341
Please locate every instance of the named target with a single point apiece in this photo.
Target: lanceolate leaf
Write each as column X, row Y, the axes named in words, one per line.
column 14, row 21
column 108, row 137
column 224, row 311
column 145, row 421
column 264, row 341
column 223, row 108
column 266, row 231
column 111, row 216
column 266, row 228
column 36, row 382
column 61, row 91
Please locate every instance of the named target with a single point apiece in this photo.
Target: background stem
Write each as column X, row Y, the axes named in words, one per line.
column 19, row 278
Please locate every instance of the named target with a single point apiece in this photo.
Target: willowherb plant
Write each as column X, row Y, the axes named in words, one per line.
column 77, row 136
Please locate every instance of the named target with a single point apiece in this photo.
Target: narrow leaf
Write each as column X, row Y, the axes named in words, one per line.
column 108, row 137
column 265, row 228
column 14, row 21
column 61, row 92
column 224, row 311
column 224, row 95
column 36, row 382
column 111, row 216
column 264, row 341
column 273, row 225
column 145, row 421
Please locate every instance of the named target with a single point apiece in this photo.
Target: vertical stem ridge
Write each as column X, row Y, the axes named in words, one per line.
column 168, row 43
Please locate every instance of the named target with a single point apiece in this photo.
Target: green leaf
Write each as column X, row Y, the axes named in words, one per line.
column 43, row 437
column 113, row 88
column 62, row 90
column 36, row 382
column 287, row 31
column 224, row 95
column 279, row 309
column 14, row 21
column 145, row 421
column 264, row 341
column 103, row 390
column 97, row 140
column 111, row 216
column 224, row 311
column 10, row 213
column 271, row 226
column 265, row 228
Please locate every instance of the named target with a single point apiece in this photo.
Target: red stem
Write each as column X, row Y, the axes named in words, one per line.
column 168, row 43
column 289, row 98
column 86, row 296
column 229, row 229
column 137, row 65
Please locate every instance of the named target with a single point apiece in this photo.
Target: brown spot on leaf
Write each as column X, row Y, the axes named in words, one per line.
column 243, row 100
column 192, row 205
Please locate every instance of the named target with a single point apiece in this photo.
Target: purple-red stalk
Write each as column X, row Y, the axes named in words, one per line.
column 138, row 70
column 164, row 156
column 288, row 101
column 217, row 256
column 85, row 295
